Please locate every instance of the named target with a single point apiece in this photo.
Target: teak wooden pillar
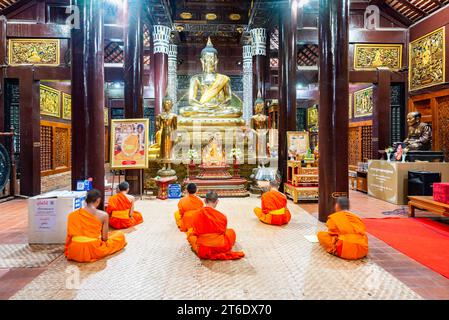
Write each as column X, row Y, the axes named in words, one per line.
column 161, row 39
column 382, row 112
column 133, row 75
column 287, row 79
column 88, row 139
column 333, row 109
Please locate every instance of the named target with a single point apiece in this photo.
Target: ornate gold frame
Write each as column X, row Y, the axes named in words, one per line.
column 368, row 45
column 310, row 112
column 350, row 106
column 114, row 123
column 291, row 134
column 58, row 93
column 66, row 99
column 48, row 41
column 106, row 116
column 443, row 29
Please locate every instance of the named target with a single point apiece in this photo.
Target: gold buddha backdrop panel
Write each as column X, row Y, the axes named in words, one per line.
column 50, row 101
column 372, row 56
column 427, row 60
column 66, row 106
column 363, row 103
column 42, row 52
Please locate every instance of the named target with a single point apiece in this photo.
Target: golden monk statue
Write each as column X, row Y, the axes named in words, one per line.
column 419, row 133
column 210, row 92
column 259, row 123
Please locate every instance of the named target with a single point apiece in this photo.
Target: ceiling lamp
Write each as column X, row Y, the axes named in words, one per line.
column 186, row 15
column 211, row 16
column 234, row 16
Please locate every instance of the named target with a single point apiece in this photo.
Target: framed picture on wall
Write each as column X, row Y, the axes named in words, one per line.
column 350, row 106
column 66, row 106
column 363, row 103
column 312, row 117
column 297, row 143
column 129, row 143
column 50, row 101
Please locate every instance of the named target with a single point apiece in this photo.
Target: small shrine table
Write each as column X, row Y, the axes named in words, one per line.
column 162, row 185
column 427, row 203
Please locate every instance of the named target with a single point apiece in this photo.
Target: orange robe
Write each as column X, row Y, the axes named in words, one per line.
column 83, row 242
column 346, row 236
column 186, row 208
column 209, row 237
column 274, row 208
column 118, row 210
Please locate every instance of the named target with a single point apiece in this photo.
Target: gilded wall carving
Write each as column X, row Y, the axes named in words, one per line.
column 353, row 146
column 312, row 117
column 372, row 56
column 106, row 116
column 43, row 52
column 363, row 103
column 50, row 101
column 62, row 146
column 427, row 60
column 66, row 106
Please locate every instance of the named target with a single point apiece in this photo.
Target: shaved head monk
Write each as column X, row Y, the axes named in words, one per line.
column 209, row 236
column 186, row 207
column 346, row 235
column 121, row 209
column 88, row 237
column 274, row 207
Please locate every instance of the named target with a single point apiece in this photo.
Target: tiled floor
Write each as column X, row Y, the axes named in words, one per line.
column 158, row 240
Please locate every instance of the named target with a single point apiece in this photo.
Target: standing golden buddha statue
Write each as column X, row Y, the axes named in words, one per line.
column 166, row 125
column 259, row 123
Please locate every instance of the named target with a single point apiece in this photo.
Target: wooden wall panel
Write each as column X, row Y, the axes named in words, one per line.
column 55, row 147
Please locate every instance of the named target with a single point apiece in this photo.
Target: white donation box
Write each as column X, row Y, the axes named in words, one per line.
column 47, row 215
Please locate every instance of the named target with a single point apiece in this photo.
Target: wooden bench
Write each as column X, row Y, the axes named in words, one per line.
column 427, row 203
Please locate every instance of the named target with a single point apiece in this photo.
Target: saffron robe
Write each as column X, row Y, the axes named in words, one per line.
column 83, row 242
column 186, row 208
column 274, row 208
column 346, row 236
column 118, row 209
column 209, row 237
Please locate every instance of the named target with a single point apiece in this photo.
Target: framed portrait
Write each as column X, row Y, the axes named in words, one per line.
column 50, row 101
column 298, row 143
column 373, row 56
column 66, row 106
column 129, row 143
column 427, row 60
column 363, row 103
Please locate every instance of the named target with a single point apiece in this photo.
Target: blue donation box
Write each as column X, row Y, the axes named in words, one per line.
column 174, row 191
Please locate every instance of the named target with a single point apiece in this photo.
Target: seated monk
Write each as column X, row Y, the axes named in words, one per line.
column 346, row 236
column 88, row 239
column 121, row 209
column 209, row 237
column 186, row 208
column 274, row 207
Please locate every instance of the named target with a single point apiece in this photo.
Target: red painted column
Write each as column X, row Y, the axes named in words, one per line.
column 88, row 143
column 161, row 39
column 287, row 79
column 333, row 107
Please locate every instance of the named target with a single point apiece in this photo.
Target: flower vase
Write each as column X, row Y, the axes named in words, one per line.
column 236, row 167
column 388, row 156
column 403, row 157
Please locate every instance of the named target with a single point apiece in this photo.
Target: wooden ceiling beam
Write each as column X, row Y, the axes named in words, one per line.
column 391, row 12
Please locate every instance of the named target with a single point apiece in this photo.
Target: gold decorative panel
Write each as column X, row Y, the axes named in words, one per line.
column 427, row 60
column 372, row 56
column 62, row 145
column 66, row 106
column 106, row 116
column 350, row 106
column 50, row 101
column 363, row 103
column 312, row 117
column 43, row 52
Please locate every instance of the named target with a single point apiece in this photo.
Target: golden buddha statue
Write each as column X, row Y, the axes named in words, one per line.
column 213, row 154
column 259, row 123
column 210, row 92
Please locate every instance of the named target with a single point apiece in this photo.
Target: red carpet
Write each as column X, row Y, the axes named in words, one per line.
column 421, row 239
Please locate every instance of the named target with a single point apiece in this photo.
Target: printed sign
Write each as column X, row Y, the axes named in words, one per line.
column 45, row 215
column 174, row 191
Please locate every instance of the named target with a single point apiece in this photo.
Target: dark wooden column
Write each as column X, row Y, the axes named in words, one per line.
column 133, row 75
column 381, row 112
column 161, row 36
column 333, row 107
column 2, row 71
column 287, row 79
column 259, row 62
column 88, row 143
column 30, row 152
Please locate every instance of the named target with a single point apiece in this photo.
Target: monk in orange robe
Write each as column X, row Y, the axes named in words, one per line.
column 186, row 208
column 346, row 236
column 121, row 209
column 209, row 236
column 274, row 207
column 88, row 238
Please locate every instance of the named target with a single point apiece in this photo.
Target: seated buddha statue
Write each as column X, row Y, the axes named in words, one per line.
column 210, row 92
column 419, row 133
column 213, row 154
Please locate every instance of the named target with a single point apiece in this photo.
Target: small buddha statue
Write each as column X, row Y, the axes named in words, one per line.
column 259, row 123
column 210, row 92
column 419, row 133
column 166, row 122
